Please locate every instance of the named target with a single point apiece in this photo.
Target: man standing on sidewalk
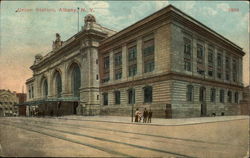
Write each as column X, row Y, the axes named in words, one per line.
column 145, row 115
column 150, row 113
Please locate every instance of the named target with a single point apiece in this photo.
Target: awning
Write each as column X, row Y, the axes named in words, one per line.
column 42, row 101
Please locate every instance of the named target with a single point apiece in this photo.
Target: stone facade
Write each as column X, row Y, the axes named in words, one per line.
column 69, row 73
column 167, row 62
column 184, row 53
column 8, row 100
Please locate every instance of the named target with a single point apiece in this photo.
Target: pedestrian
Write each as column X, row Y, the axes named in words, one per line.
column 137, row 115
column 145, row 115
column 150, row 113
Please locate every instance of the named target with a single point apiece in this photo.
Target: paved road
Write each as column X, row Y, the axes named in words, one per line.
column 24, row 137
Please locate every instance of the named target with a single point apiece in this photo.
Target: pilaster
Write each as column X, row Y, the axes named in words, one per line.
column 111, row 66
column 139, row 56
column 124, row 62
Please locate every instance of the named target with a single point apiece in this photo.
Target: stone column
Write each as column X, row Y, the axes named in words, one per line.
column 111, row 66
column 50, row 84
column 64, row 79
column 205, row 59
column 139, row 56
column 124, row 62
column 230, row 69
column 223, row 56
column 194, row 56
column 240, row 70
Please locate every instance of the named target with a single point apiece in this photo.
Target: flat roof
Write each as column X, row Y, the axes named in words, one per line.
column 162, row 12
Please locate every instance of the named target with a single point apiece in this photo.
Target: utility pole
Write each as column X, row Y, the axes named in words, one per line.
column 77, row 19
column 133, row 98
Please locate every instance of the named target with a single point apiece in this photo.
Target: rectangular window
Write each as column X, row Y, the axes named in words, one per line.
column 118, row 59
column 148, row 55
column 118, row 75
column 105, row 98
column 32, row 92
column 202, row 94
column 187, row 65
column 210, row 72
column 117, row 97
column 132, row 70
column 200, row 51
column 132, row 53
column 131, row 96
column 219, row 75
column 106, row 62
column 229, row 96
column 187, row 54
column 236, row 97
column 212, row 94
column 148, row 47
column 222, row 96
column 189, row 93
column 210, row 57
column 149, row 66
column 148, row 94
column 235, row 72
column 29, row 93
column 219, row 60
column 187, row 48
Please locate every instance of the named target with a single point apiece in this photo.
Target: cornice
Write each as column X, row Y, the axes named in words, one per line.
column 72, row 45
column 173, row 14
column 170, row 76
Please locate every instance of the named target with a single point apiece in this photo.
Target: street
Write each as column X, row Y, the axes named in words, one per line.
column 68, row 137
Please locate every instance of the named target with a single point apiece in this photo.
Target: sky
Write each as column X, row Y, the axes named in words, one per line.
column 26, row 30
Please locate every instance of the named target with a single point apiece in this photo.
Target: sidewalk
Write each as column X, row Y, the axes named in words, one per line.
column 157, row 121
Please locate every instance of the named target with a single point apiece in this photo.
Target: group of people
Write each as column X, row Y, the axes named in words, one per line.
column 146, row 115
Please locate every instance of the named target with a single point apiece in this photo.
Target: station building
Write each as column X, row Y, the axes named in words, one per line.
column 167, row 62
column 172, row 64
column 66, row 80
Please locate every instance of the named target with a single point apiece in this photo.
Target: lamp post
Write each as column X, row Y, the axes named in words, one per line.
column 203, row 106
column 133, row 98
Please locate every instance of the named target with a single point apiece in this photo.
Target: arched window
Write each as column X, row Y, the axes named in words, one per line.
column 45, row 88
column 58, row 84
column 76, row 80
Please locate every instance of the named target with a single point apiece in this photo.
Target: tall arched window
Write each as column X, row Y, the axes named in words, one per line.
column 58, row 82
column 45, row 88
column 76, row 80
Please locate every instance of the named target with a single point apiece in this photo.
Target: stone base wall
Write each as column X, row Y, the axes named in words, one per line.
column 157, row 109
column 194, row 110
column 52, row 109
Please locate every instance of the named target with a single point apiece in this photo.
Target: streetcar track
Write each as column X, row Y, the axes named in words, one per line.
column 71, row 140
column 93, row 129
column 143, row 134
column 112, row 141
column 143, row 124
